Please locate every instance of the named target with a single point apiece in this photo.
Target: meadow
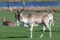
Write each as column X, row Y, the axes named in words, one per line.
column 22, row 33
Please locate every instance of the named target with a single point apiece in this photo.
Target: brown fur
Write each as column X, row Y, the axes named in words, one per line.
column 8, row 23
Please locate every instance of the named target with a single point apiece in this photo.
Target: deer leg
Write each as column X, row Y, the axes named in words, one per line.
column 31, row 29
column 49, row 28
column 17, row 23
column 25, row 25
column 43, row 32
column 51, row 22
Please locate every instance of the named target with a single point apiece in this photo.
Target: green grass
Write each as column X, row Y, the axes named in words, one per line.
column 22, row 33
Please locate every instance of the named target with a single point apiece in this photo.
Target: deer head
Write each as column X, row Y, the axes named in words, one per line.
column 19, row 13
column 3, row 19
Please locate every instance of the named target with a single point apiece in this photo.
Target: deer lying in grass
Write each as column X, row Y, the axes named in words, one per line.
column 7, row 23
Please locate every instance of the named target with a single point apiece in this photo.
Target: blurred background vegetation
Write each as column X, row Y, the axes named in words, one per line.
column 26, row 0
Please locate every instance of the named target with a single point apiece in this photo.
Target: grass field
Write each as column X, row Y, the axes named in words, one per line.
column 22, row 33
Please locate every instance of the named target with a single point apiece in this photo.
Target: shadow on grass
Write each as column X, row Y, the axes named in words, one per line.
column 46, row 31
column 15, row 37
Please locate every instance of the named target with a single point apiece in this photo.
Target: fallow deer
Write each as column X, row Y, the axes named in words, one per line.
column 32, row 19
column 7, row 22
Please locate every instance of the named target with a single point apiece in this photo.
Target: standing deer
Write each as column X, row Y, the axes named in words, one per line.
column 10, row 8
column 32, row 19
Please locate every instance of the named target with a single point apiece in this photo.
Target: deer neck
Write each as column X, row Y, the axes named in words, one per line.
column 24, row 19
column 3, row 20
